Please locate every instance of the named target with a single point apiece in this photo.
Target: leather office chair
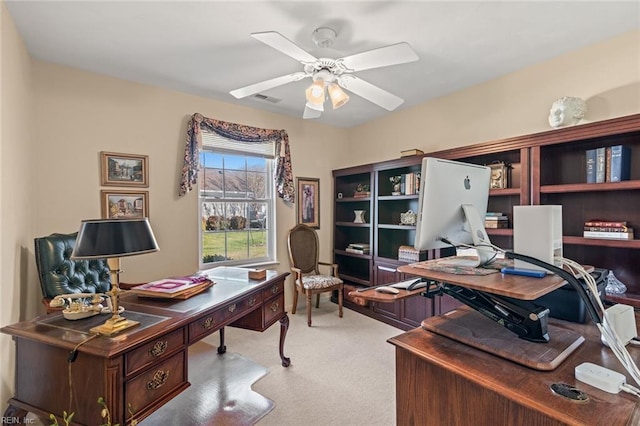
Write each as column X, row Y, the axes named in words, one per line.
column 59, row 274
column 302, row 243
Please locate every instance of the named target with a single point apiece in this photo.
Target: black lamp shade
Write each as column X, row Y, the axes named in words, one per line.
column 104, row 238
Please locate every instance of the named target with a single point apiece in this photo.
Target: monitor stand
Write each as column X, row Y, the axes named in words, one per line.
column 481, row 242
column 472, row 328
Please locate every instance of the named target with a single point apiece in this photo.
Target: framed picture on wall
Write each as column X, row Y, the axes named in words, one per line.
column 124, row 204
column 308, row 201
column 124, row 169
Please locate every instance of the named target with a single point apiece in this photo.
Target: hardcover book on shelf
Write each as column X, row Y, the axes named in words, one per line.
column 591, row 165
column 619, row 224
column 411, row 152
column 620, row 163
column 609, row 235
column 601, row 164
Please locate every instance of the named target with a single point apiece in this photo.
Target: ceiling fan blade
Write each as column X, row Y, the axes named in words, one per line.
column 243, row 92
column 284, row 45
column 370, row 92
column 311, row 113
column 390, row 55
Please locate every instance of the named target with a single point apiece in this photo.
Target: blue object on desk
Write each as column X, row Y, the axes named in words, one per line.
column 524, row 272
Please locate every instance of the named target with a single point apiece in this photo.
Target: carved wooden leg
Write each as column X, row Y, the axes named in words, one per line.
column 284, row 326
column 295, row 299
column 222, row 348
column 340, row 297
column 14, row 415
column 309, row 295
column 317, row 300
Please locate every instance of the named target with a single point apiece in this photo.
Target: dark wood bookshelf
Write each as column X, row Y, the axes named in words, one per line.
column 547, row 168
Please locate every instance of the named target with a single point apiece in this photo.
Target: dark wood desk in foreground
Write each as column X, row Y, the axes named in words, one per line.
column 143, row 367
column 440, row 381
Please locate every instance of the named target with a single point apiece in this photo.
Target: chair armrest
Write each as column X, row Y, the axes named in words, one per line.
column 334, row 267
column 297, row 273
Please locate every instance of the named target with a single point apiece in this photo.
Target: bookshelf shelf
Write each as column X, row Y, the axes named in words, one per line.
column 356, row 255
column 591, row 187
column 602, row 242
column 354, row 225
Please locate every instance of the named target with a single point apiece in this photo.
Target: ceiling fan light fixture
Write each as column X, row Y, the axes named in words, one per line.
column 338, row 97
column 315, row 92
column 315, row 106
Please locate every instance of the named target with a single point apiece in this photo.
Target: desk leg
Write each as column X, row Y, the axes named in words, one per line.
column 222, row 348
column 284, row 327
column 14, row 415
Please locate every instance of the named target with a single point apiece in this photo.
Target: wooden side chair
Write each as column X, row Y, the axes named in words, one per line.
column 302, row 242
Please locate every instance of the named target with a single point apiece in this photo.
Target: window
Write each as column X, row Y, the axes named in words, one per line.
column 237, row 202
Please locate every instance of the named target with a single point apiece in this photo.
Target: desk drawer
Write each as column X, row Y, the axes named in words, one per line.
column 157, row 382
column 273, row 309
column 154, row 351
column 219, row 318
column 272, row 290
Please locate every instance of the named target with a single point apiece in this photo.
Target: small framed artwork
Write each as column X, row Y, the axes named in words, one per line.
column 124, row 204
column 124, row 169
column 308, row 201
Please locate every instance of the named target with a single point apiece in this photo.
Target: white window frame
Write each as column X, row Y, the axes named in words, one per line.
column 215, row 143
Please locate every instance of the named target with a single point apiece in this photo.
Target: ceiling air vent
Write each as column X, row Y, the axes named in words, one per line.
column 265, row 98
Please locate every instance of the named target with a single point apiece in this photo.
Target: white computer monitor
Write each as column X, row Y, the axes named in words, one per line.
column 453, row 205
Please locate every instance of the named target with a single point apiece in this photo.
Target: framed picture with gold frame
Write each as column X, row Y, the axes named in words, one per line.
column 308, row 201
column 124, row 204
column 124, row 169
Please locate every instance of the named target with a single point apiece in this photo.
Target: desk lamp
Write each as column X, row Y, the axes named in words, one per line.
column 113, row 239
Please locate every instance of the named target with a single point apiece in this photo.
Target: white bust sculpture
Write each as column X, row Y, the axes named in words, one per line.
column 567, row 111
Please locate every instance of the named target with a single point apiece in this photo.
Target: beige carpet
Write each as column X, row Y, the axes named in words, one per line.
column 342, row 369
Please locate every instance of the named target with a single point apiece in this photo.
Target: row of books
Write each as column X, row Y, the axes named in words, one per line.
column 358, row 248
column 496, row 220
column 173, row 288
column 410, row 183
column 607, row 229
column 608, row 164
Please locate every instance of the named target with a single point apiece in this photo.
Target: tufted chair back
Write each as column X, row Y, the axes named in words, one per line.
column 59, row 274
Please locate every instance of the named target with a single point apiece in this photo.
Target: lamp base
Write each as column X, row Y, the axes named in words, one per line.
column 114, row 325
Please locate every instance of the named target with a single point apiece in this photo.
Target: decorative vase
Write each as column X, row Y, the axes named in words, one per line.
column 359, row 216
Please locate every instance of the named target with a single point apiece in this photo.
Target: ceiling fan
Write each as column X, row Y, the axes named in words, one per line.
column 332, row 75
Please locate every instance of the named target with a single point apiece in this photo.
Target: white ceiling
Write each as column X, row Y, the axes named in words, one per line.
column 205, row 47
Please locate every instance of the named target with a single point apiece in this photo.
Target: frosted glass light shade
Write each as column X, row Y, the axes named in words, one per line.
column 338, row 97
column 315, row 92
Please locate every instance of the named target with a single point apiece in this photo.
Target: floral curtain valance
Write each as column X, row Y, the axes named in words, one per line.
column 283, row 175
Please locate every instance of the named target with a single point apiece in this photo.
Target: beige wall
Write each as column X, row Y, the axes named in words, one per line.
column 606, row 75
column 56, row 120
column 79, row 114
column 20, row 299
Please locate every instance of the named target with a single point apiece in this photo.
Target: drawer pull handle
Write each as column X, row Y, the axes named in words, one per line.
column 158, row 349
column 159, row 379
column 232, row 308
column 208, row 323
column 252, row 301
column 274, row 289
column 274, row 306
column 384, row 268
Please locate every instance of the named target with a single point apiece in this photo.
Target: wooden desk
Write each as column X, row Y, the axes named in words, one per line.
column 143, row 367
column 440, row 381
